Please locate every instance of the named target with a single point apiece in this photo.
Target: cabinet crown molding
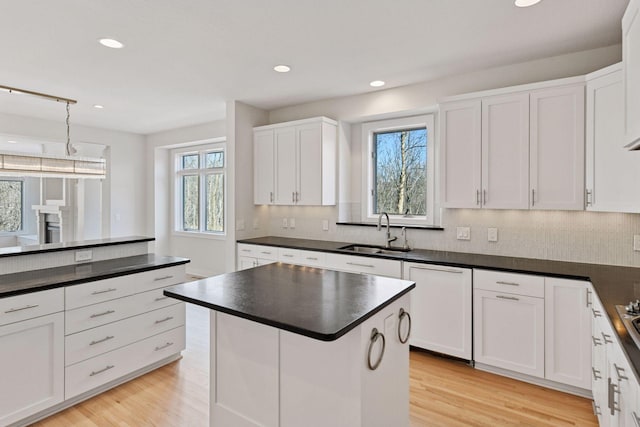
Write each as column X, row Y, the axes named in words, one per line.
column 321, row 119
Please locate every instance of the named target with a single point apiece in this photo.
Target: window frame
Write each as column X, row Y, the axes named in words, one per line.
column 202, row 172
column 21, row 230
column 368, row 168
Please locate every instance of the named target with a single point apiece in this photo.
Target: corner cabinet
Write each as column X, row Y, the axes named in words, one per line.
column 631, row 73
column 295, row 163
column 436, row 326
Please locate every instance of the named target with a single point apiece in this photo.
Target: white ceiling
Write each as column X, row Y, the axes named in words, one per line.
column 183, row 59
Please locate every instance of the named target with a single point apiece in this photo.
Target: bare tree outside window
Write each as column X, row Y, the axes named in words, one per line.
column 400, row 173
column 10, row 205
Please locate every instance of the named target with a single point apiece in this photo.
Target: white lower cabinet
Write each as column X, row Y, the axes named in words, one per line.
column 31, row 366
column 441, row 308
column 567, row 332
column 366, row 265
column 250, row 256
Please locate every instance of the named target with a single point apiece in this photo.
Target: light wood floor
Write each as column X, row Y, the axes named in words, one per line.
column 443, row 393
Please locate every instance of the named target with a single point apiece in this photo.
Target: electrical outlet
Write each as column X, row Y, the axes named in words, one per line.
column 325, row 225
column 636, row 242
column 84, row 256
column 285, row 223
column 292, row 223
column 463, row 233
column 492, row 234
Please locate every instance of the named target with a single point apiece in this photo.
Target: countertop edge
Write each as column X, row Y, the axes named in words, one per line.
column 60, row 247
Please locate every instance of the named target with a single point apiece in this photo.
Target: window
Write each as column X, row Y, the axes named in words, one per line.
column 11, row 205
column 398, row 174
column 200, row 189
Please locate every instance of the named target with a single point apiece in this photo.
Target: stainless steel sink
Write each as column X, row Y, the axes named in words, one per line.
column 370, row 249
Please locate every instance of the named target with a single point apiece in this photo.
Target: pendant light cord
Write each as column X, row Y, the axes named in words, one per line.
column 68, row 132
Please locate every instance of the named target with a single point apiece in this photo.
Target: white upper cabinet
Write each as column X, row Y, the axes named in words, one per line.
column 295, row 163
column 505, row 151
column 631, row 65
column 612, row 172
column 264, row 162
column 460, row 154
column 557, row 148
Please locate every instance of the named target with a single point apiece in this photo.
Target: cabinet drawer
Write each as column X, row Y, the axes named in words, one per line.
column 301, row 257
column 368, row 265
column 28, row 306
column 510, row 283
column 258, row 251
column 117, row 287
column 291, row 256
column 91, row 343
column 110, row 366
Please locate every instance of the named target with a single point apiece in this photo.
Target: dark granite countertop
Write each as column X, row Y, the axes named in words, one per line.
column 614, row 285
column 317, row 303
column 49, row 278
column 83, row 244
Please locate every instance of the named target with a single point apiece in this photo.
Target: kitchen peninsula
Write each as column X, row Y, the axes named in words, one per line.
column 293, row 345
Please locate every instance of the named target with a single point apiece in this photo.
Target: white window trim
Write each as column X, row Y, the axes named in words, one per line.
column 21, row 231
column 176, row 208
column 368, row 129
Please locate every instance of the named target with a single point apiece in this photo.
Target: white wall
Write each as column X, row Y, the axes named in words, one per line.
column 124, row 188
column 571, row 236
column 207, row 255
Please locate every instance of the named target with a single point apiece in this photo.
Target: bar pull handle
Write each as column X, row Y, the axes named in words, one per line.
column 620, row 375
column 375, row 336
column 361, row 265
column 107, row 338
column 287, row 255
column 478, row 197
column 104, row 313
column 596, row 313
column 444, row 270
column 509, row 298
column 93, row 373
column 162, row 347
column 271, row 196
column 26, row 307
column 166, row 319
column 589, row 197
column 596, row 374
column 607, row 338
column 157, row 279
column 484, row 197
column 588, row 299
column 596, row 341
column 160, row 299
column 533, row 197
column 293, row 197
column 104, row 291
column 508, row 283
column 312, row 258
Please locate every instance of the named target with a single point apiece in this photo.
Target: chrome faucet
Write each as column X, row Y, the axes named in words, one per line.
column 389, row 238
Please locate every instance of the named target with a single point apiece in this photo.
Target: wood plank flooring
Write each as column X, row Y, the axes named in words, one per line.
column 443, row 393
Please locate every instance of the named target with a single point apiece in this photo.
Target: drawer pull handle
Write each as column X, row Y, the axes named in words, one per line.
column 401, row 316
column 375, row 335
column 510, row 298
column 162, row 347
column 160, row 298
column 107, row 338
column 166, row 319
column 596, row 313
column 361, row 265
column 596, row 341
column 444, row 270
column 245, row 250
column 596, row 408
column 508, row 283
column 596, row 374
column 606, row 338
column 104, row 313
column 312, row 258
column 104, row 291
column 26, row 307
column 157, row 279
column 265, row 253
column 288, row 255
column 101, row 370
column 621, row 376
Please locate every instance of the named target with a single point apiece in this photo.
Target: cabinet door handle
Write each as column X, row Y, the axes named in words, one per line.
column 160, row 299
column 533, row 197
column 265, row 253
column 588, row 299
column 443, row 270
column 484, row 197
column 287, row 255
column 293, row 197
column 157, row 279
column 596, row 341
column 162, row 347
column 93, row 373
column 245, row 250
column 297, row 197
column 596, row 313
column 26, row 307
column 478, row 197
column 596, row 374
column 375, row 336
column 509, row 298
column 589, row 194
column 107, row 338
column 312, row 258
column 508, row 283
column 104, row 313
column 271, row 196
column 620, row 375
column 166, row 319
column 607, row 338
column 402, row 315
column 361, row 265
column 596, row 408
column 104, row 291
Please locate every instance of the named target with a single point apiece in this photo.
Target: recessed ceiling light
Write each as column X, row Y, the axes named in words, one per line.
column 526, row 3
column 282, row 68
column 112, row 43
column 12, row 142
column 376, row 83
column 98, row 106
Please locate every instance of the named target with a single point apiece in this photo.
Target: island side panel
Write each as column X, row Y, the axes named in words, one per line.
column 244, row 384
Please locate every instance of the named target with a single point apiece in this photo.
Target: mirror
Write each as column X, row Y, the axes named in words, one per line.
column 41, row 210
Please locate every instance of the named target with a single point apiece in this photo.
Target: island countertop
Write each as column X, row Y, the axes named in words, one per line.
column 317, row 303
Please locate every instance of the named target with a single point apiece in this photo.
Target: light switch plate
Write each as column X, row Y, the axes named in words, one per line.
column 492, row 234
column 292, row 223
column 84, row 255
column 325, row 224
column 463, row 233
column 285, row 223
column 636, row 242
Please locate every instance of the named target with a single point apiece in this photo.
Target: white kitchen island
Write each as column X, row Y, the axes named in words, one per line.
column 298, row 346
